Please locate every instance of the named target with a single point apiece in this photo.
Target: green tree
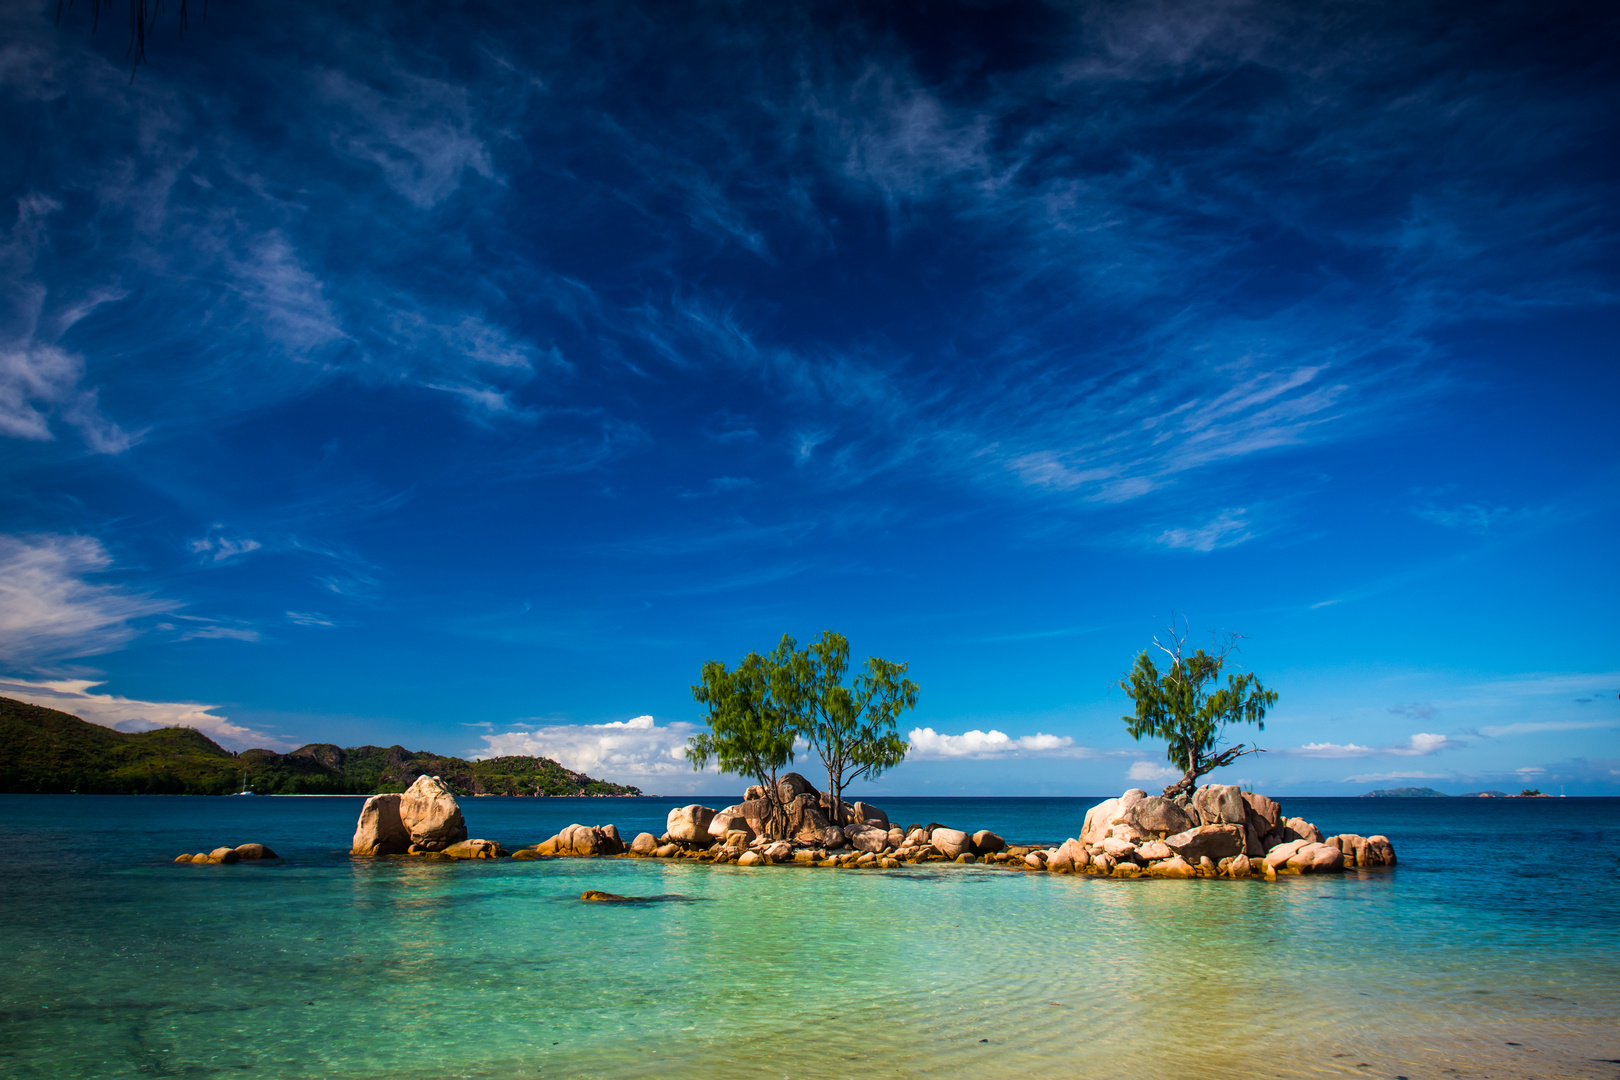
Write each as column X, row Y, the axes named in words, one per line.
column 851, row 728
column 1186, row 706
column 749, row 733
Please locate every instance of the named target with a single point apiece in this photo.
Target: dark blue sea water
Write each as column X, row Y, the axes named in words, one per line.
column 1489, row 951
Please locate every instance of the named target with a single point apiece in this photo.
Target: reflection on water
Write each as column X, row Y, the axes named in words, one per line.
column 118, row 964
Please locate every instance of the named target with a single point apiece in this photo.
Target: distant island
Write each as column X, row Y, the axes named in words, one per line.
column 1429, row 792
column 1406, row 793
column 45, row 751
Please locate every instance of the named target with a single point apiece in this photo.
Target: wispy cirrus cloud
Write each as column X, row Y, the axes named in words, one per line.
column 52, row 607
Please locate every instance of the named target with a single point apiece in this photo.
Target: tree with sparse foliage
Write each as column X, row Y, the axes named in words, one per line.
column 1186, row 706
column 749, row 733
column 851, row 728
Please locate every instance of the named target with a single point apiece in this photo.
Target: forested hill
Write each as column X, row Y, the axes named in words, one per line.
column 46, row 751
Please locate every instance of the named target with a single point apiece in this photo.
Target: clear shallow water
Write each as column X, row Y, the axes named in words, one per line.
column 1496, row 928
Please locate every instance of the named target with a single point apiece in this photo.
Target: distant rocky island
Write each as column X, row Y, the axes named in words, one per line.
column 1406, row 793
column 45, row 751
column 1430, row 793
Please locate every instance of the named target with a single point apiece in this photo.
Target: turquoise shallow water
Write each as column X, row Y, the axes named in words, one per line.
column 1497, row 928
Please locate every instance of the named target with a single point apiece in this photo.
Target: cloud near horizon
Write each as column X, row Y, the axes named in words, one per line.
column 622, row 751
column 130, row 714
column 929, row 745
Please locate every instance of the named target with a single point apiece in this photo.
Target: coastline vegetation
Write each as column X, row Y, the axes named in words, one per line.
column 50, row 752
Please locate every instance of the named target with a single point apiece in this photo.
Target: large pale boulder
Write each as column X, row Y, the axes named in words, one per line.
column 1119, row 849
column 867, row 814
column 729, row 820
column 1280, row 854
column 1100, row 819
column 1220, row 804
column 951, row 842
column 1304, row 830
column 644, row 844
column 832, row 837
column 1216, row 841
column 379, row 830
column 689, row 824
column 986, row 842
column 864, row 837
column 1312, row 858
column 1068, row 857
column 431, row 815
column 1158, row 816
column 1239, row 867
column 1155, row 850
column 1264, row 812
column 792, row 785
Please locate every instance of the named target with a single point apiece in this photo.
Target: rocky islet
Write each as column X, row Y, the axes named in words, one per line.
column 1219, row 830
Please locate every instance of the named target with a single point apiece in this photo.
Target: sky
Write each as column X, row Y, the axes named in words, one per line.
column 466, row 375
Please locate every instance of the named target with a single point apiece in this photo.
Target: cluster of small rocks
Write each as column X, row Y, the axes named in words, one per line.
column 1221, row 831
column 228, row 855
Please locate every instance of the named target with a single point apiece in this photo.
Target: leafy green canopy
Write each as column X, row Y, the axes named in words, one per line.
column 1179, row 706
column 749, row 733
column 758, row 711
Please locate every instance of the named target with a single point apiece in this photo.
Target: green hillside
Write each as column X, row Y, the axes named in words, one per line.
column 46, row 751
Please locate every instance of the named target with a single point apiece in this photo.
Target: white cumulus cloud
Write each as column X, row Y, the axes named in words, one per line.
column 628, row 751
column 1147, row 770
column 1424, row 743
column 128, row 714
column 927, row 743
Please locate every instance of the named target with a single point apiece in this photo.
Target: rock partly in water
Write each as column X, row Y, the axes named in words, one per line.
column 644, row 844
column 380, row 830
column 430, row 814
column 986, row 842
column 582, row 840
column 1173, row 867
column 474, row 849
column 226, row 855
column 255, row 851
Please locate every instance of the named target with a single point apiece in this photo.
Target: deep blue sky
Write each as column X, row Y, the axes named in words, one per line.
column 465, row 375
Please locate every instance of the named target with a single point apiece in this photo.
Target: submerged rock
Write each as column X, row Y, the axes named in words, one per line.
column 474, row 849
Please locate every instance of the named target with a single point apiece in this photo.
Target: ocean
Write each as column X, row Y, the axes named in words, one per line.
column 1489, row 951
